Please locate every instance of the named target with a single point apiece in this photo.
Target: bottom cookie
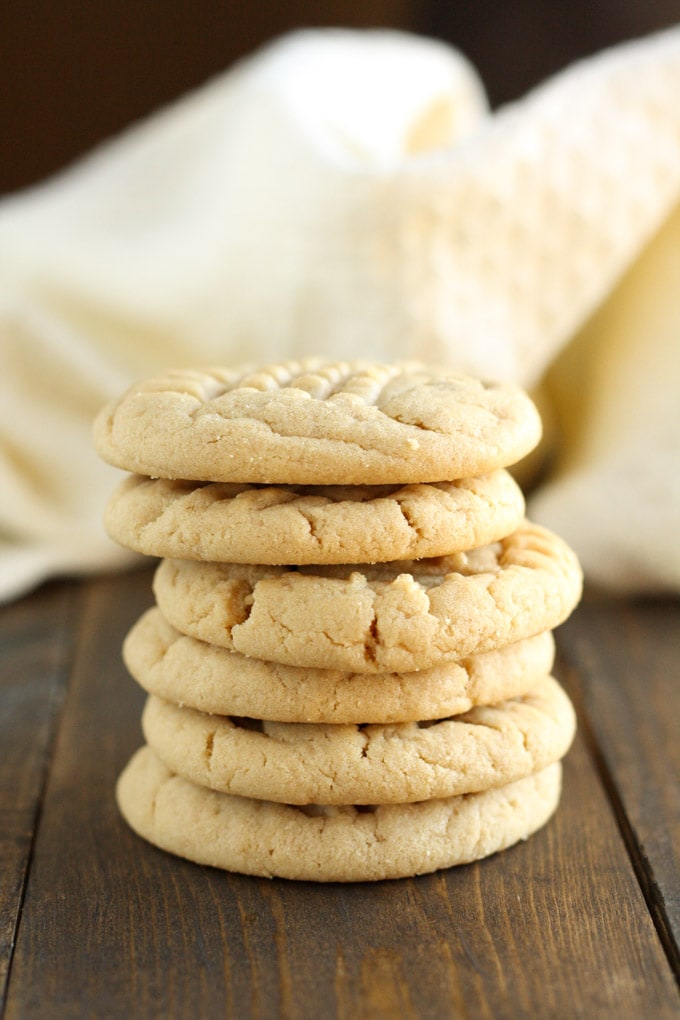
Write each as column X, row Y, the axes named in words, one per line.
column 329, row 844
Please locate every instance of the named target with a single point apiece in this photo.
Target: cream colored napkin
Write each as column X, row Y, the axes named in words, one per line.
column 350, row 194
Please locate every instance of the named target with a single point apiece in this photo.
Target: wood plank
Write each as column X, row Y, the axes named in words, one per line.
column 627, row 658
column 114, row 927
column 35, row 643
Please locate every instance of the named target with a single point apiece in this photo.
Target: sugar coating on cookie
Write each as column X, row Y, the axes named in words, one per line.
column 228, row 522
column 298, row 763
column 318, row 422
column 211, row 679
column 377, row 618
column 329, row 844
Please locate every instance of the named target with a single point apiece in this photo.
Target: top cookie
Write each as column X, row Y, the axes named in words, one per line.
column 317, row 422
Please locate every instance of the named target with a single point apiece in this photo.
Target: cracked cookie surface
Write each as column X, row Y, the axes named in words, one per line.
column 227, row 522
column 329, row 844
column 299, row 763
column 203, row 676
column 395, row 617
column 317, row 422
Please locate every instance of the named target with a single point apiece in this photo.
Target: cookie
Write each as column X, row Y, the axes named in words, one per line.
column 329, row 844
column 227, row 522
column 206, row 677
column 317, row 422
column 396, row 617
column 310, row 763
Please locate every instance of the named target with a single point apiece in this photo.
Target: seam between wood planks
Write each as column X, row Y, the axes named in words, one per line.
column 642, row 867
column 60, row 672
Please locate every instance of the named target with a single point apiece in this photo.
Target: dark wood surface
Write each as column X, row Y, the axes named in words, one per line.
column 583, row 920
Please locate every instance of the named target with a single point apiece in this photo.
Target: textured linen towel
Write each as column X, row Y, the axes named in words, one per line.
column 351, row 194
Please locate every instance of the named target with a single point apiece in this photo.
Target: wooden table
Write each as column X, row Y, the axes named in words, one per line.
column 581, row 921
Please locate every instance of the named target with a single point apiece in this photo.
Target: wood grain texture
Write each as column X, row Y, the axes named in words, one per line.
column 36, row 640
column 112, row 927
column 626, row 666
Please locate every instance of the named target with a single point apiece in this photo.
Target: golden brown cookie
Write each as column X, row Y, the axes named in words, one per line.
column 226, row 522
column 309, row 763
column 396, row 617
column 329, row 844
column 318, row 422
column 206, row 677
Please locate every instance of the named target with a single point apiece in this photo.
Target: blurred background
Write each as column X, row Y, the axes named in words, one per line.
column 77, row 71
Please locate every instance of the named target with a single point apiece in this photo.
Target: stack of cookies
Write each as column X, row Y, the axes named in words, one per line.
column 348, row 663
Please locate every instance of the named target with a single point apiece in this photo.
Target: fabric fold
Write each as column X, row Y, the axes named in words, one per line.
column 350, row 194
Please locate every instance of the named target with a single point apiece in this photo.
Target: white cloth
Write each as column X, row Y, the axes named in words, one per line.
column 350, row 194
